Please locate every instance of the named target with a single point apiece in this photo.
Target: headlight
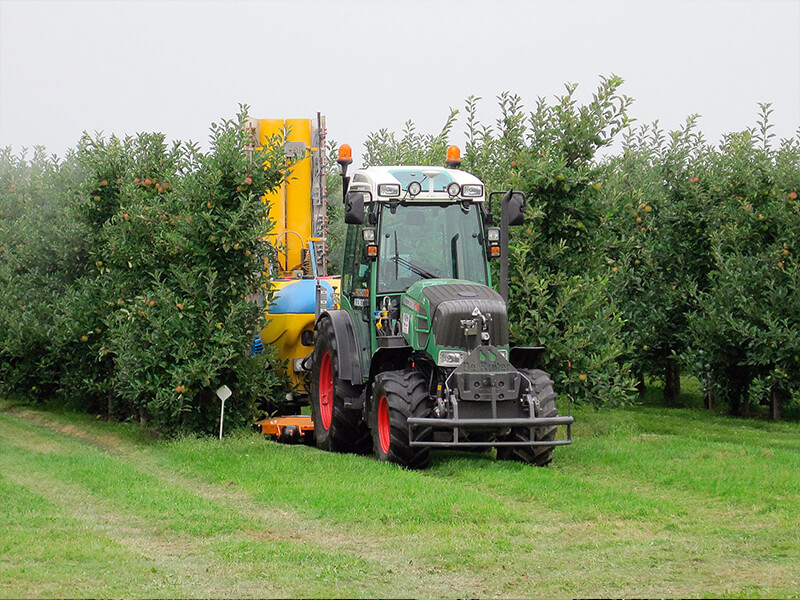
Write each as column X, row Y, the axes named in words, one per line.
column 472, row 190
column 390, row 190
column 450, row 358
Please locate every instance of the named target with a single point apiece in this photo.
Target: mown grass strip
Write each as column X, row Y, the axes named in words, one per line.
column 188, row 542
column 646, row 502
column 261, row 553
column 50, row 547
column 468, row 507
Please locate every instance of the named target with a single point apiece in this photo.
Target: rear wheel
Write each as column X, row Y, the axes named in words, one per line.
column 397, row 396
column 336, row 428
column 535, row 455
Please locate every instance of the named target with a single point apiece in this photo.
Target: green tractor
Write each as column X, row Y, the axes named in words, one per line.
column 417, row 354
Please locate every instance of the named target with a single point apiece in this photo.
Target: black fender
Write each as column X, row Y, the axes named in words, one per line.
column 525, row 357
column 348, row 358
column 391, row 358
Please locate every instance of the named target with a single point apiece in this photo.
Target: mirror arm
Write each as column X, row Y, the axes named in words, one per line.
column 504, row 248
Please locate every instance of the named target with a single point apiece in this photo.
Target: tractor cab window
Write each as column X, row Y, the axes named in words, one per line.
column 427, row 241
column 355, row 269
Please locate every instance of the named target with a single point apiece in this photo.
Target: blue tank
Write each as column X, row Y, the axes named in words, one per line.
column 299, row 297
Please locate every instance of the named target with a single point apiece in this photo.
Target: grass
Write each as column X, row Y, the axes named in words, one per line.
column 648, row 501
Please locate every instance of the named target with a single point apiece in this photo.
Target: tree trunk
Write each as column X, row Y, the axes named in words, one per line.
column 739, row 405
column 775, row 401
column 672, row 381
column 640, row 386
column 709, row 399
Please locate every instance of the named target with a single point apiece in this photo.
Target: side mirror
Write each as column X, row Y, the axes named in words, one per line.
column 514, row 206
column 512, row 211
column 354, row 206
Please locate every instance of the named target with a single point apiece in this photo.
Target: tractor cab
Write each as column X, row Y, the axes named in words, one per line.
column 417, row 353
column 410, row 225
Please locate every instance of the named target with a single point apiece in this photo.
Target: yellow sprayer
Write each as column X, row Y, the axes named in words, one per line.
column 300, row 283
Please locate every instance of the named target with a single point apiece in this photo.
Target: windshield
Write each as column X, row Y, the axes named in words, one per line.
column 423, row 241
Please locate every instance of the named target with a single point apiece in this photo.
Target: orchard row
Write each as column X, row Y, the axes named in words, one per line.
column 645, row 254
column 130, row 270
column 131, row 267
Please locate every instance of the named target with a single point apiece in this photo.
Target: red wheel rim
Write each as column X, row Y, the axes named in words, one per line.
column 326, row 390
column 384, row 428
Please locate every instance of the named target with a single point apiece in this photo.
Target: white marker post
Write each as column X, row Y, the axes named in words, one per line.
column 223, row 393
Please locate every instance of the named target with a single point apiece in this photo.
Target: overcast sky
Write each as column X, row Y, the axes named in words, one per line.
column 176, row 66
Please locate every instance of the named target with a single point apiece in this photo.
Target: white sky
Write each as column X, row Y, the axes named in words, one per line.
column 176, row 66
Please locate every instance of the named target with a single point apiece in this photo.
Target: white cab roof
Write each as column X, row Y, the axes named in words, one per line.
column 440, row 177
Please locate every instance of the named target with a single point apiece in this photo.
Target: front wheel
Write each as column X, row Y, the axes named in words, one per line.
column 397, row 396
column 536, row 455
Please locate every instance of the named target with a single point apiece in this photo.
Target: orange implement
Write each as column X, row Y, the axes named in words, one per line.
column 288, row 430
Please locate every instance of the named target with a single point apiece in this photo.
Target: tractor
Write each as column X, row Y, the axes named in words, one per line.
column 414, row 353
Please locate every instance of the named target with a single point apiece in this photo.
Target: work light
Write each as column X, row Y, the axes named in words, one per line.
column 472, row 190
column 389, row 190
column 451, row 358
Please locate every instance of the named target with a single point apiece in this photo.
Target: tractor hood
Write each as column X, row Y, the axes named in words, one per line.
column 435, row 315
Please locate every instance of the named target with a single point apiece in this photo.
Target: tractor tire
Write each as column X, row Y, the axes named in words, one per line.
column 336, row 428
column 534, row 455
column 396, row 396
